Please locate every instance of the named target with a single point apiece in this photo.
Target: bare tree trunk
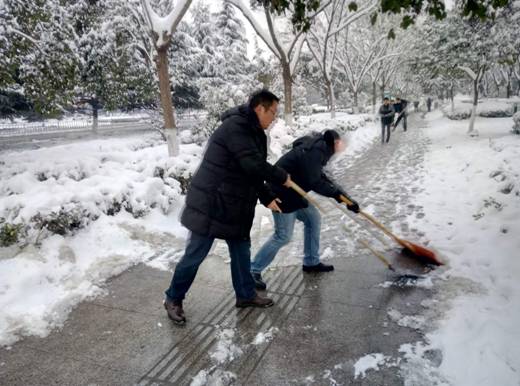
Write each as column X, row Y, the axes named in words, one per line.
column 374, row 97
column 383, row 86
column 452, row 98
column 287, row 92
column 356, row 107
column 508, row 88
column 471, row 130
column 95, row 109
column 332, row 98
column 170, row 129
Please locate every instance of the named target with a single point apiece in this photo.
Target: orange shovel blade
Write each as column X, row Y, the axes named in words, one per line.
column 422, row 253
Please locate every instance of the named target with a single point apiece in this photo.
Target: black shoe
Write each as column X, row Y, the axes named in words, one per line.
column 257, row 301
column 175, row 311
column 259, row 283
column 320, row 267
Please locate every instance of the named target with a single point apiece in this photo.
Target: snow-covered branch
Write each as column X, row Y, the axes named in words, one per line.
column 469, row 71
column 355, row 16
column 165, row 26
column 264, row 35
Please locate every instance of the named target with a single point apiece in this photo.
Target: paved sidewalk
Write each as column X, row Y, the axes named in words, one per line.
column 321, row 324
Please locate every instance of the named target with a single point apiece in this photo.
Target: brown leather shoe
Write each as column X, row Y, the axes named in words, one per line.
column 175, row 311
column 257, row 301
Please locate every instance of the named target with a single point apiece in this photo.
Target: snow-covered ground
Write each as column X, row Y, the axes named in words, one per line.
column 111, row 204
column 487, row 107
column 472, row 211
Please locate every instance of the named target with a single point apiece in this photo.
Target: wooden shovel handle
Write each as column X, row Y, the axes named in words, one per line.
column 373, row 221
column 304, row 194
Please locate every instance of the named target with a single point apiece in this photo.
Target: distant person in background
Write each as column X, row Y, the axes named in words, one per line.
column 386, row 112
column 416, row 106
column 429, row 104
column 400, row 106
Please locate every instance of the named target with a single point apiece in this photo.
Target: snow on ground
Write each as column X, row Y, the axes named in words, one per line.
column 121, row 195
column 472, row 211
column 265, row 337
column 369, row 362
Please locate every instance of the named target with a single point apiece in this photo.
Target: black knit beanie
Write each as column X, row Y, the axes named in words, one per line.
column 330, row 136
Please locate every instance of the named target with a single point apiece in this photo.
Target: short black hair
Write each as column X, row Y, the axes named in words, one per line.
column 386, row 99
column 330, row 136
column 263, row 97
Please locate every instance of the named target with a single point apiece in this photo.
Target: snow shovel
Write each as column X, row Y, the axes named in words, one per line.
column 402, row 278
column 421, row 253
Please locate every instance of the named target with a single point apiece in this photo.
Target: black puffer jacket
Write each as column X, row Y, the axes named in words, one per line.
column 305, row 164
column 400, row 106
column 223, row 193
column 387, row 113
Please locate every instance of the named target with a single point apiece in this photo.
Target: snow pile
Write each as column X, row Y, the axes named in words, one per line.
column 415, row 322
column 265, row 337
column 369, row 362
column 214, row 377
column 422, row 282
column 281, row 137
column 226, row 350
column 472, row 207
column 87, row 211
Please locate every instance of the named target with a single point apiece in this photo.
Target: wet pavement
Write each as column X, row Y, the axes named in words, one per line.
column 319, row 327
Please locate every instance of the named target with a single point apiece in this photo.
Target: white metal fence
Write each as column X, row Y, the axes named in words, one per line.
column 110, row 125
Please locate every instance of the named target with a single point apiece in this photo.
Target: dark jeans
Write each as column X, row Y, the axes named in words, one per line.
column 403, row 117
column 387, row 127
column 197, row 249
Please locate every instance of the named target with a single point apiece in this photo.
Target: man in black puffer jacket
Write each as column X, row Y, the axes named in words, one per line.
column 222, row 197
column 387, row 113
column 305, row 164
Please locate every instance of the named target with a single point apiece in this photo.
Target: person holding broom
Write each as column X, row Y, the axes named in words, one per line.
column 400, row 106
column 304, row 163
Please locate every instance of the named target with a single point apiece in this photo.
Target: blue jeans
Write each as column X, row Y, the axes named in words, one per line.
column 197, row 248
column 283, row 230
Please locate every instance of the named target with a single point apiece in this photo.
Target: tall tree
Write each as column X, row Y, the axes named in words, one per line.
column 161, row 29
column 324, row 37
column 285, row 45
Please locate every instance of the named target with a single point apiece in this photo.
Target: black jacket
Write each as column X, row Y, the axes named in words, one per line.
column 398, row 107
column 305, row 162
column 223, row 193
column 387, row 113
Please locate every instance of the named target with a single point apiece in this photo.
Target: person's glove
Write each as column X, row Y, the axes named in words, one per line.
column 354, row 206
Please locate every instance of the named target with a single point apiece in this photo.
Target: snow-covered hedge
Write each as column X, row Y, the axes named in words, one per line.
column 489, row 108
column 62, row 189
column 282, row 136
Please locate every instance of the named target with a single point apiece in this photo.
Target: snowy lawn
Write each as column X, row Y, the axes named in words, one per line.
column 487, row 107
column 472, row 211
column 87, row 211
